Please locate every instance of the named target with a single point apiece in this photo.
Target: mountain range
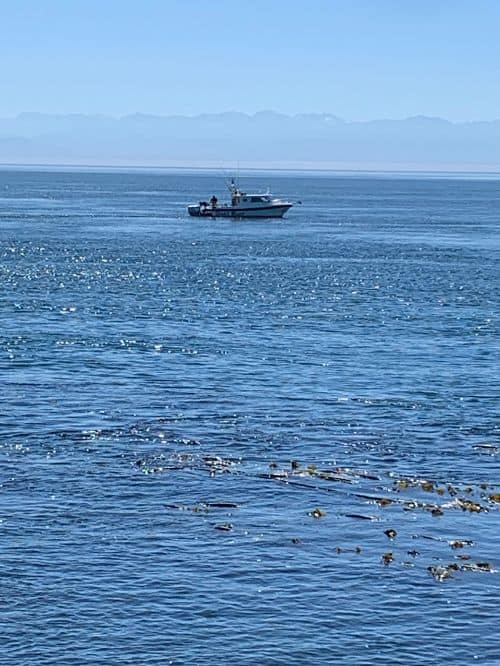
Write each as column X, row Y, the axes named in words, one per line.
column 264, row 139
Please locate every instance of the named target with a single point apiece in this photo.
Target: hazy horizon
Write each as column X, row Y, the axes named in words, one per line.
column 265, row 139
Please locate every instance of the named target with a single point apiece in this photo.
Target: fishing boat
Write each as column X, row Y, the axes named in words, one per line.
column 242, row 205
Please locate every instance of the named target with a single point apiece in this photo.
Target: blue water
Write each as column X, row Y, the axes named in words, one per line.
column 158, row 369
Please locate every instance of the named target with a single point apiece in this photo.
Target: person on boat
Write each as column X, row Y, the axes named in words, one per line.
column 213, row 201
column 235, row 193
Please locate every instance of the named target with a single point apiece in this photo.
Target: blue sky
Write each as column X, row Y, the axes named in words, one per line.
column 358, row 59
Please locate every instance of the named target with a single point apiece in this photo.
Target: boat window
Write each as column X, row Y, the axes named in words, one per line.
column 258, row 199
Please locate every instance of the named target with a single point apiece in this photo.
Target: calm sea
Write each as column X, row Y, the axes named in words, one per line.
column 249, row 442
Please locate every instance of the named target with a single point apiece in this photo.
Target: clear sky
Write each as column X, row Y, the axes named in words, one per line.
column 359, row 59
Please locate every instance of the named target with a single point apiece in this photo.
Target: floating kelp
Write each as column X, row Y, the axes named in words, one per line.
column 360, row 516
column 344, row 474
column 279, row 475
column 410, row 505
column 387, row 558
column 217, row 464
column 430, row 486
column 467, row 505
column 291, row 476
column 183, row 460
column 324, row 474
column 436, row 510
column 354, row 493
column 404, row 483
column 382, row 501
column 317, row 513
column 478, row 566
column 339, row 549
column 332, row 476
column 459, row 543
column 439, row 573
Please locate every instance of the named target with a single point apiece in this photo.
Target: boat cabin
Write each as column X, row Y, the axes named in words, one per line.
column 238, row 197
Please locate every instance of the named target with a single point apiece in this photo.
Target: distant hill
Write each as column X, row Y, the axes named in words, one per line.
column 263, row 139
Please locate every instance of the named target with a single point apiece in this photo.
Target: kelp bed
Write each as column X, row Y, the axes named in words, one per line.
column 405, row 513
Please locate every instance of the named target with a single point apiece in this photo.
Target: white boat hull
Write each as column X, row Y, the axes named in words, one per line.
column 277, row 210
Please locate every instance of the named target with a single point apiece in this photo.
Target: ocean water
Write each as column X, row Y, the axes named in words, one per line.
column 209, row 429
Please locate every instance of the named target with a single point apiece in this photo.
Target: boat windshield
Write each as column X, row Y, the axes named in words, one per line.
column 261, row 198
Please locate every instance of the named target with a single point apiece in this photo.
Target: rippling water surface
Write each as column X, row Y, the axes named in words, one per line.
column 207, row 427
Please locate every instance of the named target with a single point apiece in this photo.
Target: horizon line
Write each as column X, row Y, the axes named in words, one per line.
column 451, row 172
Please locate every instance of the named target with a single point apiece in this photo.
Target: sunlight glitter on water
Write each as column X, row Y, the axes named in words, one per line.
column 249, row 442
